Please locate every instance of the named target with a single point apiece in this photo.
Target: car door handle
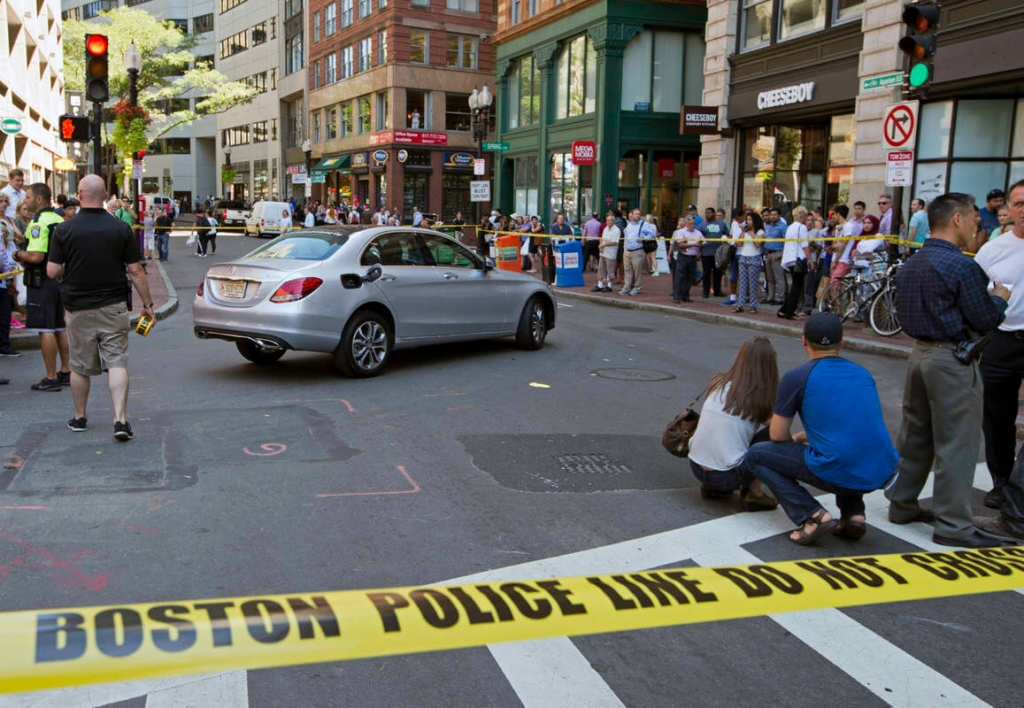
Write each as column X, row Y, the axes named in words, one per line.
column 388, row 278
column 450, row 276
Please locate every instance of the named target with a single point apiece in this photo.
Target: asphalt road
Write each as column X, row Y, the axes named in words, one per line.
column 244, row 480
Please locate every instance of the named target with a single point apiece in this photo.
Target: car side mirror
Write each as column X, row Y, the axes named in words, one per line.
column 488, row 264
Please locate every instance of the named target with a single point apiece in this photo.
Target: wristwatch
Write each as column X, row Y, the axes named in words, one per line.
column 150, row 306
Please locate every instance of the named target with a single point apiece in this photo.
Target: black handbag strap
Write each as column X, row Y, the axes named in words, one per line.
column 699, row 396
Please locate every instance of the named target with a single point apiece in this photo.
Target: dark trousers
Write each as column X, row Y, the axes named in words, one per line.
column 211, row 241
column 780, row 466
column 738, row 477
column 811, row 283
column 1013, row 498
column 591, row 252
column 202, row 244
column 712, row 276
column 6, row 307
column 1002, row 370
column 162, row 242
column 793, row 295
column 683, row 277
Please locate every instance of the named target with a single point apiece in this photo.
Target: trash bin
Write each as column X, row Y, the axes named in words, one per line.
column 569, row 264
column 547, row 262
column 507, row 252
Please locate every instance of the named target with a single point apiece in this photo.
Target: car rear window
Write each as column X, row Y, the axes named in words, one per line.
column 300, row 247
column 229, row 205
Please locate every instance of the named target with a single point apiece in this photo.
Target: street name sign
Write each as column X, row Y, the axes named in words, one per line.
column 496, row 147
column 480, row 190
column 318, row 178
column 899, row 168
column 882, row 82
column 11, row 126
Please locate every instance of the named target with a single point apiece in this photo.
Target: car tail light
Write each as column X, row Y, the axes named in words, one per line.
column 202, row 286
column 224, row 216
column 262, row 222
column 296, row 289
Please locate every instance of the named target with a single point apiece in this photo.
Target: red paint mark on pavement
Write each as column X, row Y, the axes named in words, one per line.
column 13, row 462
column 136, row 527
column 414, row 490
column 63, row 564
column 268, row 450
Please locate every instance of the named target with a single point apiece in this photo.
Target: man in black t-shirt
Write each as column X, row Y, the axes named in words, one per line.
column 89, row 255
column 164, row 224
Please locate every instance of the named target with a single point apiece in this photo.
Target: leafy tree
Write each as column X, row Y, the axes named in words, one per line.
column 170, row 70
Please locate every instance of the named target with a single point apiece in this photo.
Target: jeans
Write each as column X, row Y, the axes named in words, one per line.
column 738, row 477
column 780, row 466
column 162, row 242
column 683, row 277
column 712, row 276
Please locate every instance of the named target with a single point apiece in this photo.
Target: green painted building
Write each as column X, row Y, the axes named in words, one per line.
column 614, row 72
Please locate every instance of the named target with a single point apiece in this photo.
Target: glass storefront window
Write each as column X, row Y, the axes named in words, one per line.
column 800, row 17
column 977, row 178
column 415, row 186
column 1018, row 131
column 523, row 93
column 934, row 129
column 525, row 182
column 842, row 136
column 757, row 23
column 660, row 69
column 983, row 128
column 576, row 74
column 571, row 188
column 456, row 197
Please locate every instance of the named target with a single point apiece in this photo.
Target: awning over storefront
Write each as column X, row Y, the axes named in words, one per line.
column 332, row 163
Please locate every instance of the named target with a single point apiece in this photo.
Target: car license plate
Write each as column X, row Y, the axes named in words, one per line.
column 232, row 288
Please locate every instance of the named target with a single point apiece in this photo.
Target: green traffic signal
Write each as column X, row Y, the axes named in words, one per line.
column 920, row 74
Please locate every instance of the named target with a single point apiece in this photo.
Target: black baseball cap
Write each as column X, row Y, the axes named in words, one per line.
column 996, row 194
column 823, row 329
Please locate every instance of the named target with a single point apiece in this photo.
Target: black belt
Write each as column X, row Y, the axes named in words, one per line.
column 1016, row 334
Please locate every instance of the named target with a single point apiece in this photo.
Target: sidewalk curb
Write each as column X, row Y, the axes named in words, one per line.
column 29, row 341
column 852, row 343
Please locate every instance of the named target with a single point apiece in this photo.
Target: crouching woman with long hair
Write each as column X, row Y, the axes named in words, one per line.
column 739, row 405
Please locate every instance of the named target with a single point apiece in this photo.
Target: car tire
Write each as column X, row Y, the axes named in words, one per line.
column 365, row 347
column 533, row 325
column 256, row 355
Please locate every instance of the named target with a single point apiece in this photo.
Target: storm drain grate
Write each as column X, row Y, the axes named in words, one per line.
column 590, row 463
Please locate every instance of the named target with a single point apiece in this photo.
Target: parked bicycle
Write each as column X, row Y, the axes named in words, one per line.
column 874, row 293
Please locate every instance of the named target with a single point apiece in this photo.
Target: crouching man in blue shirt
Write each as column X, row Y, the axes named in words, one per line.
column 844, row 447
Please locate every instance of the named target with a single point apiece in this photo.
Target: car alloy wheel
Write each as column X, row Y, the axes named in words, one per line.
column 369, row 345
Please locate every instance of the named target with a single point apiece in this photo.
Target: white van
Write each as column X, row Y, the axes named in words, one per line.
column 157, row 202
column 266, row 218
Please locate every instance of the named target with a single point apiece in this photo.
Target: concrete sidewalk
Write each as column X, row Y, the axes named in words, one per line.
column 165, row 301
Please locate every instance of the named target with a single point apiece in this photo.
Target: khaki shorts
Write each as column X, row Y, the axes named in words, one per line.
column 98, row 339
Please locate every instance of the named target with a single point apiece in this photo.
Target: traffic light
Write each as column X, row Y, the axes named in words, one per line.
column 919, row 45
column 75, row 129
column 97, row 88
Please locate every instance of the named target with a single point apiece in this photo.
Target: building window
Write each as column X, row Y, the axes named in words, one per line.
column 317, row 123
column 420, row 3
column 293, row 54
column 786, row 165
column 316, row 27
column 170, row 146
column 847, row 9
column 383, row 112
column 330, row 19
column 259, row 132
column 259, row 34
column 460, row 52
column 330, row 123
column 348, row 125
column 273, row 129
column 524, row 93
column 464, row 5
column 382, row 47
column 419, row 46
column 417, row 107
column 259, row 179
column 74, row 13
column 516, row 11
column 457, row 114
column 316, row 74
column 346, row 13
column 331, row 68
column 365, row 125
column 525, row 184
column 292, row 8
column 226, row 5
column 203, row 23
column 577, row 78
column 571, row 189
column 257, row 81
column 756, row 29
column 662, row 71
column 799, row 17
column 347, row 64
column 365, row 52
column 234, row 44
column 365, row 7
column 382, row 4
column 273, row 28
column 273, row 79
column 238, row 135
column 207, row 59
column 533, row 4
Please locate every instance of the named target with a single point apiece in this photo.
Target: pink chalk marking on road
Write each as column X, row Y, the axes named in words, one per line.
column 13, row 462
column 400, row 468
column 41, row 557
column 268, row 450
column 143, row 529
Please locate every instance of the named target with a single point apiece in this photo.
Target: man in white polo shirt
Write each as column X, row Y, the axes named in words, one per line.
column 1002, row 370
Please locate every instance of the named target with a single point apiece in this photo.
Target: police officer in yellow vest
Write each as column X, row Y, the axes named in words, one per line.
column 43, row 301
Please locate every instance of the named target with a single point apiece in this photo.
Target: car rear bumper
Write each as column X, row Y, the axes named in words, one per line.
column 269, row 332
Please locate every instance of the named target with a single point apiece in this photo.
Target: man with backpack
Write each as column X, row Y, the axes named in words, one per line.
column 202, row 228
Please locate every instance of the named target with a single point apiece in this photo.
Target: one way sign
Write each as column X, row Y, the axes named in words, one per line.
column 899, row 125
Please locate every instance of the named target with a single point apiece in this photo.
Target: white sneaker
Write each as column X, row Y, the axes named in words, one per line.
column 623, row 292
column 655, row 274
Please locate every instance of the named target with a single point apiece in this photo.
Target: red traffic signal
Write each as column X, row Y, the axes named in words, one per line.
column 75, row 129
column 97, row 67
column 923, row 17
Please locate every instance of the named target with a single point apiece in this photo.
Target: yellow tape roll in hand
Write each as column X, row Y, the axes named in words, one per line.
column 68, row 647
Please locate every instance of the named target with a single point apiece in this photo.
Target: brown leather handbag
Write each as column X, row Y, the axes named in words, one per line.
column 679, row 431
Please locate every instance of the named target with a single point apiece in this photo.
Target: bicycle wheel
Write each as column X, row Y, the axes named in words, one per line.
column 884, row 315
column 829, row 299
column 840, row 298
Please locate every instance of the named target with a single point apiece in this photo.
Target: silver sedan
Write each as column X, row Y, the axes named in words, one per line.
column 360, row 294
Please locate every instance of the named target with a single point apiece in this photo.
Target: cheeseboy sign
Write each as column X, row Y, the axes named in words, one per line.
column 785, row 96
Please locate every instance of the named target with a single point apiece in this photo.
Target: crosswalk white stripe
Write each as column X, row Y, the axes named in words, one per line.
column 553, row 673
column 226, row 690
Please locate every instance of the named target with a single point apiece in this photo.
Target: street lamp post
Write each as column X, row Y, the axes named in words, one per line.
column 227, row 165
column 133, row 65
column 307, row 150
column 480, row 106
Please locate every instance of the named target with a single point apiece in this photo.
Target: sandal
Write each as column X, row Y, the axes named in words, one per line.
column 850, row 530
column 737, row 309
column 758, row 502
column 820, row 528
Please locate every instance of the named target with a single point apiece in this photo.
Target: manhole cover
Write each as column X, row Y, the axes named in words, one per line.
column 590, row 463
column 627, row 328
column 633, row 374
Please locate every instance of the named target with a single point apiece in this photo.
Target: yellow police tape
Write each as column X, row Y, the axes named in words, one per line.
column 67, row 647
